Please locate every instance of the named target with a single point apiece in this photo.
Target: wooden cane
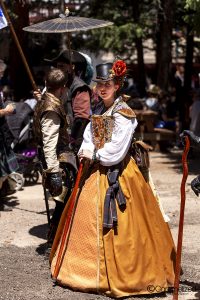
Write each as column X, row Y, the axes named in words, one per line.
column 71, row 211
column 18, row 45
column 181, row 219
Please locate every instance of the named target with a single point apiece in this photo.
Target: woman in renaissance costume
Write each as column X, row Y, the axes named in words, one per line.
column 112, row 238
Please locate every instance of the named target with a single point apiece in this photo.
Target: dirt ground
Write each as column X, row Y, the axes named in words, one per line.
column 24, row 267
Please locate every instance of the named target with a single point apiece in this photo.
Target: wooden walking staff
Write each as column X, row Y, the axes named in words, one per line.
column 181, row 218
column 18, row 45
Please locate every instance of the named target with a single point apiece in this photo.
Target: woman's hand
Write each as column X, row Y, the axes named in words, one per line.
column 85, row 154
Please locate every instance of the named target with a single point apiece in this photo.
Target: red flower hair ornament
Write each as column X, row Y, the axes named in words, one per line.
column 119, row 68
column 118, row 71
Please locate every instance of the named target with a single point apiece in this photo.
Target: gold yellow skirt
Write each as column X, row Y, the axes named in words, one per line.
column 137, row 257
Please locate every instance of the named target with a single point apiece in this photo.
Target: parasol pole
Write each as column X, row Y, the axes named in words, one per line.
column 67, row 14
column 70, row 50
column 181, row 219
column 18, row 45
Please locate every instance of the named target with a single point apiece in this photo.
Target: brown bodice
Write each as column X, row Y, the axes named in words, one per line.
column 102, row 128
column 103, row 125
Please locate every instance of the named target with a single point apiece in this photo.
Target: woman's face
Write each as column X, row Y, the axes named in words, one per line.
column 106, row 90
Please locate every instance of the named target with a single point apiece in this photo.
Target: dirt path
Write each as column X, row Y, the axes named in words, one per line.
column 24, row 268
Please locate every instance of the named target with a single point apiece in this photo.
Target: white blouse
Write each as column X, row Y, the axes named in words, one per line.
column 114, row 151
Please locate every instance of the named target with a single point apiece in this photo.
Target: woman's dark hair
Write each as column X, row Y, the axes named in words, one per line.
column 119, row 81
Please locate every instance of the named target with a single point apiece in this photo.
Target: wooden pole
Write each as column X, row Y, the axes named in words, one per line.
column 70, row 52
column 18, row 45
column 181, row 219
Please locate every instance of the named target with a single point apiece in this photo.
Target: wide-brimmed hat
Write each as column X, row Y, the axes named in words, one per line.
column 110, row 71
column 64, row 56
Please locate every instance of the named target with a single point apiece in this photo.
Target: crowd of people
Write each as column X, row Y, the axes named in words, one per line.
column 106, row 231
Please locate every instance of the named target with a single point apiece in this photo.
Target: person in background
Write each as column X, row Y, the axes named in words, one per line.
column 195, row 112
column 180, row 93
column 77, row 100
column 50, row 128
column 114, row 240
column 20, row 124
column 160, row 103
column 8, row 160
column 152, row 100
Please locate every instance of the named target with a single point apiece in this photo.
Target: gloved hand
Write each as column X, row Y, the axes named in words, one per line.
column 194, row 139
column 195, row 185
column 53, row 182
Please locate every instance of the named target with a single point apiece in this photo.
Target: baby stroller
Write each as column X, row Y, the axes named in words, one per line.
column 23, row 145
column 29, row 165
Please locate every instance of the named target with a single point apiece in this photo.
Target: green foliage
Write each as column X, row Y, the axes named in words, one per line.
column 132, row 19
column 193, row 14
column 193, row 4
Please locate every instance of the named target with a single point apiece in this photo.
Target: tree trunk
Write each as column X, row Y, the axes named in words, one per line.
column 141, row 67
column 140, row 53
column 163, row 54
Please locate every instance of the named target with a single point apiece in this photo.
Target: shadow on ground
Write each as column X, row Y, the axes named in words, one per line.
column 44, row 250
column 10, row 201
column 39, row 231
column 193, row 287
column 175, row 157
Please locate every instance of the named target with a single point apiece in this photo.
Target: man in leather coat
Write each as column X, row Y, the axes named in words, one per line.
column 195, row 143
column 51, row 134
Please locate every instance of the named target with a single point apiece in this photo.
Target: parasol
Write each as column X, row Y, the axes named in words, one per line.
column 67, row 23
